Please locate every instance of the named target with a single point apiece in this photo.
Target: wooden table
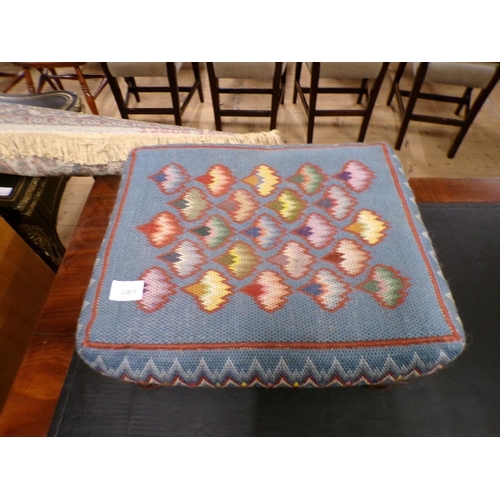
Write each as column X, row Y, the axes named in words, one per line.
column 35, row 393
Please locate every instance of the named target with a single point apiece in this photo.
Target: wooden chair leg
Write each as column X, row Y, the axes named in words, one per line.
column 131, row 87
column 371, row 101
column 57, row 80
column 298, row 70
column 312, row 101
column 86, row 92
column 283, row 86
column 395, row 84
column 174, row 91
column 214, row 90
column 115, row 89
column 471, row 115
column 362, row 90
column 277, row 94
column 415, row 91
column 29, row 81
column 44, row 78
column 465, row 101
column 197, row 77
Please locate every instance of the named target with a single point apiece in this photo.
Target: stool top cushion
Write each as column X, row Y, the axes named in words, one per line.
column 467, row 74
column 140, row 68
column 281, row 265
column 246, row 70
column 348, row 70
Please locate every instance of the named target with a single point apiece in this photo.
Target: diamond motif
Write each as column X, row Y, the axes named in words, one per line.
column 170, row 178
column 269, row 291
column 309, row 178
column 240, row 205
column 356, row 175
column 215, row 232
column 263, row 179
column 192, row 204
column 289, row 205
column 349, row 256
column 387, row 285
column 317, row 230
column 293, row 259
column 265, row 232
column 218, row 180
column 157, row 290
column 185, row 260
column 162, row 229
column 240, row 260
column 337, row 202
column 211, row 291
column 328, row 290
column 369, row 226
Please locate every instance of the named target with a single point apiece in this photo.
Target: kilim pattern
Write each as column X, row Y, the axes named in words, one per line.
column 284, row 272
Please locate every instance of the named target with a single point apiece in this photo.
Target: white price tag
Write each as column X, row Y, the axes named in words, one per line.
column 6, row 191
column 126, row 290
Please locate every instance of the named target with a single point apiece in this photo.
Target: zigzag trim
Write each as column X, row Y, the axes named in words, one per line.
column 280, row 376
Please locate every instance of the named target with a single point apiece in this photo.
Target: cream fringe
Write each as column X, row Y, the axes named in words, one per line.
column 99, row 149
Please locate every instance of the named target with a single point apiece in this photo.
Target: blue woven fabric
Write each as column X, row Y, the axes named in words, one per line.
column 283, row 265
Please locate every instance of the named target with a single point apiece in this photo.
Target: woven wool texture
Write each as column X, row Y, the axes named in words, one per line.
column 276, row 266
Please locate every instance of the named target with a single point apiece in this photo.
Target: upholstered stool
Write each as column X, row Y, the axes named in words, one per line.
column 339, row 71
column 273, row 73
column 481, row 76
column 298, row 266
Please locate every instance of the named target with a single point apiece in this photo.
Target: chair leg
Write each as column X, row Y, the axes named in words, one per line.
column 131, row 87
column 197, row 76
column 277, row 94
column 415, row 91
column 395, row 84
column 44, row 78
column 298, row 70
column 372, row 97
column 115, row 89
column 465, row 101
column 312, row 101
column 174, row 91
column 57, row 81
column 471, row 115
column 283, row 86
column 214, row 90
column 362, row 90
column 86, row 92
column 29, row 81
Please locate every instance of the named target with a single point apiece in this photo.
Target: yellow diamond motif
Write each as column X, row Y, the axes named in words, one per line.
column 263, row 179
column 369, row 227
column 211, row 291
